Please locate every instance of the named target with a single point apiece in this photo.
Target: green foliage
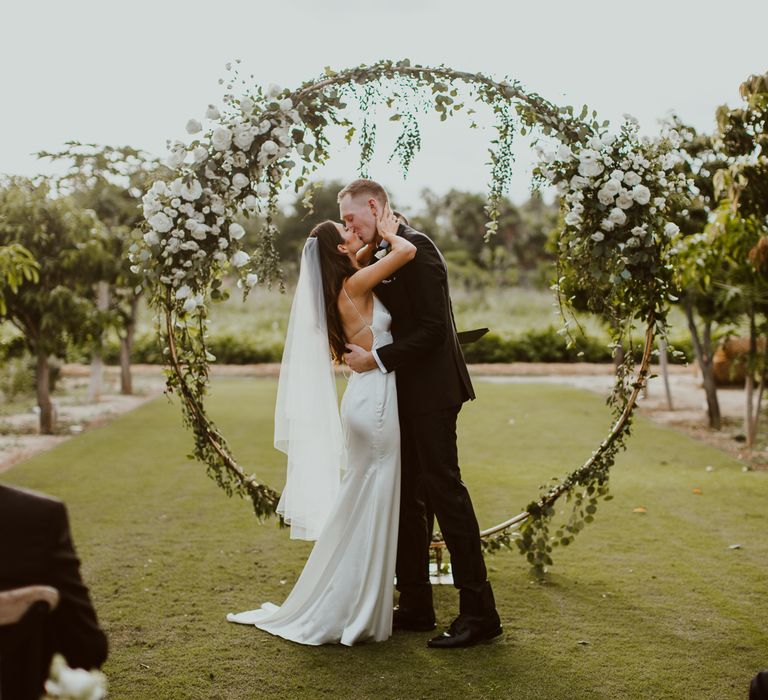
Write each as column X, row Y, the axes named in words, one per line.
column 16, row 266
column 109, row 181
column 67, row 243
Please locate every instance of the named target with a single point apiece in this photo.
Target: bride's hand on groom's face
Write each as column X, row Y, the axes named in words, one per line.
column 387, row 224
column 359, row 359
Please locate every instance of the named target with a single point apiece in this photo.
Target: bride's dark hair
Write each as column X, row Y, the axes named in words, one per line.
column 335, row 267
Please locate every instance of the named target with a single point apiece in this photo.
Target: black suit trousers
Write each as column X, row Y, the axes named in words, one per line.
column 430, row 475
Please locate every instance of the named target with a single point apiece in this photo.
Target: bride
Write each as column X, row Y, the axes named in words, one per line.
column 344, row 594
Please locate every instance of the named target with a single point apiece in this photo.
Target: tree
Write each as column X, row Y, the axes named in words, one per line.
column 68, row 244
column 109, row 181
column 701, row 251
column 743, row 135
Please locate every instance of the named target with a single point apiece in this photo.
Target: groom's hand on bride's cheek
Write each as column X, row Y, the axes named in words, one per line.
column 359, row 359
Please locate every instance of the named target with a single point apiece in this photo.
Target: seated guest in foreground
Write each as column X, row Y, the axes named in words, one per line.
column 36, row 549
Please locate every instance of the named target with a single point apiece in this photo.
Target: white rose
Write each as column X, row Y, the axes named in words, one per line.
column 262, row 189
column 578, row 182
column 641, row 194
column 638, row 231
column 617, row 216
column 236, row 231
column 183, row 292
column 282, row 135
column 613, row 187
column 220, row 257
column 217, row 205
column 151, row 238
column 159, row 187
column 240, row 180
column 222, row 138
column 223, row 243
column 545, row 156
column 562, row 187
column 607, row 139
column 191, row 190
column 77, row 683
column 193, row 126
column 564, row 153
column 659, row 202
column 176, row 158
column 572, row 219
column 199, row 231
column 250, row 202
column 161, row 222
column 190, row 305
column 617, row 175
column 265, row 126
column 624, row 200
column 632, row 178
column 252, row 279
column 605, row 196
column 595, row 143
column 670, row 229
column 176, row 186
column 590, row 168
column 607, row 224
column 212, row 113
column 175, row 202
column 240, row 258
column 243, row 137
column 269, row 147
column 200, row 154
column 286, row 105
column 273, row 90
column 247, row 104
column 151, row 204
column 597, row 236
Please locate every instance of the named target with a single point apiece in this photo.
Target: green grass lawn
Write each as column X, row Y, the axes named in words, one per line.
column 640, row 606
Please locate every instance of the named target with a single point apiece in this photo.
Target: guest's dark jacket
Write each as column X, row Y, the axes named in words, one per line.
column 425, row 355
column 36, row 548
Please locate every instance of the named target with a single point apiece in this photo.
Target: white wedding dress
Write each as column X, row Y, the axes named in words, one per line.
column 345, row 592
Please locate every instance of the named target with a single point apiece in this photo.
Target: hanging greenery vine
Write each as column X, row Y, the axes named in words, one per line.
column 617, row 193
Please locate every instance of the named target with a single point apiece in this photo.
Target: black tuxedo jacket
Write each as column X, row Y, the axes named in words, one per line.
column 36, row 549
column 425, row 352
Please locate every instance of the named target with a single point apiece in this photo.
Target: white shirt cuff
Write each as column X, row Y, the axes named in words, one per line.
column 378, row 361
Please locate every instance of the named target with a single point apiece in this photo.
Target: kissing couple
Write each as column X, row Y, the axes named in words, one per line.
column 365, row 481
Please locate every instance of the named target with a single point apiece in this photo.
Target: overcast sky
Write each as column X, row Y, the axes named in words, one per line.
column 133, row 73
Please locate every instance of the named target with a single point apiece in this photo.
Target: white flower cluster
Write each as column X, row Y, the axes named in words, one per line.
column 74, row 683
column 190, row 220
column 616, row 185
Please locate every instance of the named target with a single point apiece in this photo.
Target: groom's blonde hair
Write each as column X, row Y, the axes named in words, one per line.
column 364, row 187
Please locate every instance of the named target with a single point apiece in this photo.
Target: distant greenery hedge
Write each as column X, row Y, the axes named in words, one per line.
column 531, row 346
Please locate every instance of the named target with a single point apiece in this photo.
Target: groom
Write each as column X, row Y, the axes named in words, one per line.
column 432, row 384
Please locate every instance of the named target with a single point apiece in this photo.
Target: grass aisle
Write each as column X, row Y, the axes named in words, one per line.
column 640, row 606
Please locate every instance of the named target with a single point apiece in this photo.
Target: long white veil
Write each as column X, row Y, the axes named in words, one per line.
column 307, row 423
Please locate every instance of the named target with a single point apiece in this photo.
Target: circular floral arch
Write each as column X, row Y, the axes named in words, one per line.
column 618, row 193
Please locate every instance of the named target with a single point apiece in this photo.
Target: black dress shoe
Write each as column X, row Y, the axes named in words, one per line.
column 413, row 620
column 466, row 631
